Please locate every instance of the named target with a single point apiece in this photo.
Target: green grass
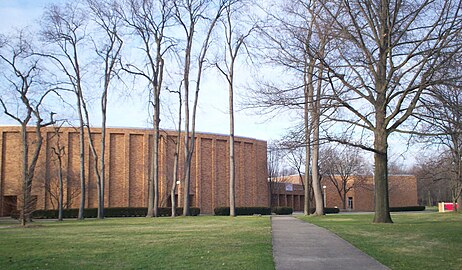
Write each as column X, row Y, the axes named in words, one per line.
column 203, row 242
column 414, row 241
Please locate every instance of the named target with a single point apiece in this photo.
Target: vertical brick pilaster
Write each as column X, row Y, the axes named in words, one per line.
column 162, row 178
column 240, row 168
column 146, row 164
column 198, row 193
column 68, row 167
column 108, row 190
column 106, row 167
column 214, row 174
column 254, row 183
column 127, row 168
column 47, row 179
column 89, row 168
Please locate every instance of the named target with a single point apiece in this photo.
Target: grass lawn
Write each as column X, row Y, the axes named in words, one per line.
column 203, row 242
column 414, row 241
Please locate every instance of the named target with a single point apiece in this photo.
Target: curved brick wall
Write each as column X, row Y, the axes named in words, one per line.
column 128, row 155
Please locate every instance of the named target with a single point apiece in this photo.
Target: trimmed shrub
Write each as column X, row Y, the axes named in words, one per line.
column 282, row 210
column 108, row 212
column 407, row 208
column 243, row 211
column 327, row 210
column 221, row 211
column 179, row 211
column 125, row 212
column 331, row 210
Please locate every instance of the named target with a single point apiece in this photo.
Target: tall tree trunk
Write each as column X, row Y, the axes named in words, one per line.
column 176, row 157
column 187, row 161
column 102, row 174
column 61, row 188
column 315, row 168
column 155, row 210
column 192, row 145
column 232, row 195
column 307, row 190
column 25, row 180
column 316, row 115
column 29, row 168
column 154, row 179
column 186, row 202
column 91, row 144
column 189, row 147
column 153, row 205
column 382, row 209
column 308, row 99
column 103, row 151
column 150, row 212
column 82, row 160
column 175, row 179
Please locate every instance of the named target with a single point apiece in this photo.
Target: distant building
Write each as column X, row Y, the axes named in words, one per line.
column 128, row 166
column 289, row 191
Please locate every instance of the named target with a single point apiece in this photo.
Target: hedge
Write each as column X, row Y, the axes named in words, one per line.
column 108, row 212
column 282, row 210
column 243, row 211
column 327, row 210
column 407, row 208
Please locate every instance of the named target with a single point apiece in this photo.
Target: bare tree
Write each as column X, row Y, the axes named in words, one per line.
column 434, row 179
column 64, row 29
column 442, row 119
column 52, row 185
column 176, row 155
column 293, row 32
column 59, row 151
column 22, row 100
column 105, row 16
column 385, row 55
column 234, row 40
column 296, row 158
column 314, row 71
column 148, row 20
column 344, row 168
column 191, row 14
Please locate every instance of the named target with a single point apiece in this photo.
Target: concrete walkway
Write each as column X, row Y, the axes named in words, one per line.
column 301, row 245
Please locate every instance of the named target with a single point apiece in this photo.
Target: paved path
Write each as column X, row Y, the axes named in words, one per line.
column 301, row 245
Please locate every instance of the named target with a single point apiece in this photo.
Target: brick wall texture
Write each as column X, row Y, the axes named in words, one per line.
column 128, row 156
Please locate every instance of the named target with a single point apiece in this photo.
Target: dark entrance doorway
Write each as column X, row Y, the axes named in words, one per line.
column 10, row 203
column 350, row 202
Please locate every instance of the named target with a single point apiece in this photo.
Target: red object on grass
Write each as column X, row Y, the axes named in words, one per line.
column 450, row 206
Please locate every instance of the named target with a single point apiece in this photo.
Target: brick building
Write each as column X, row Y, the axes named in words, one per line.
column 128, row 158
column 288, row 191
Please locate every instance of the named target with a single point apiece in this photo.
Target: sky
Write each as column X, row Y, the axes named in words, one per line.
column 131, row 111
